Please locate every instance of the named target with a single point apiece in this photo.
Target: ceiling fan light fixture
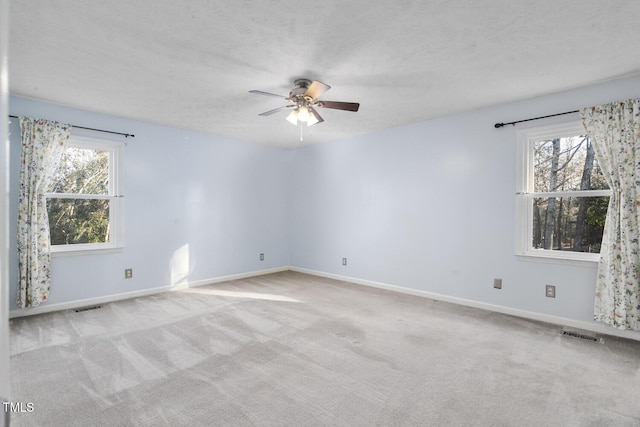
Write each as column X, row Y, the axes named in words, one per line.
column 303, row 114
column 314, row 117
column 293, row 117
column 303, row 100
column 312, row 120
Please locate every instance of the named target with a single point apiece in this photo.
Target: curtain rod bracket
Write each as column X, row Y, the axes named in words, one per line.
column 499, row 125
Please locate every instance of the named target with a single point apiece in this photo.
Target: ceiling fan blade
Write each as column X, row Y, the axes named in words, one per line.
column 275, row 110
column 337, row 105
column 260, row 92
column 315, row 114
column 316, row 89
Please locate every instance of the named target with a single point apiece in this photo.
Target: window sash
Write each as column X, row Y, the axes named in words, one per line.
column 114, row 224
column 80, row 196
column 524, row 236
column 114, row 196
column 575, row 193
column 525, row 193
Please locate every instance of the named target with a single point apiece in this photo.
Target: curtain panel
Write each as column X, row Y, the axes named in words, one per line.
column 42, row 146
column 614, row 129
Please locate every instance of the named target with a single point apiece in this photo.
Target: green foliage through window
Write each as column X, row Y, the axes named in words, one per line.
column 73, row 221
column 77, row 213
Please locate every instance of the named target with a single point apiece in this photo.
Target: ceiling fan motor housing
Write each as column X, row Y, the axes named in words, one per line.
column 297, row 94
column 302, row 83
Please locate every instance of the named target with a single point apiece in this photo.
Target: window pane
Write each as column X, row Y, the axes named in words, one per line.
column 74, row 221
column 566, row 164
column 82, row 171
column 569, row 223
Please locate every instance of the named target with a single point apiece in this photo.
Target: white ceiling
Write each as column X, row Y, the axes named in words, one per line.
column 190, row 64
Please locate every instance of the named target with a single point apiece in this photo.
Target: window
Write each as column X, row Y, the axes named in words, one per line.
column 562, row 194
column 84, row 205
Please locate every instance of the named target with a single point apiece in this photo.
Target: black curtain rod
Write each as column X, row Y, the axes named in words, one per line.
column 499, row 125
column 126, row 135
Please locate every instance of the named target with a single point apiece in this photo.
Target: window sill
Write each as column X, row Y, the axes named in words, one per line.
column 86, row 251
column 587, row 262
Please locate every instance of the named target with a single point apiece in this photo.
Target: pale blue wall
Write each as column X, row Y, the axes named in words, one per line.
column 227, row 200
column 431, row 206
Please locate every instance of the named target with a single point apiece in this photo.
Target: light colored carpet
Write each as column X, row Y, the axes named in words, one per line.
column 292, row 349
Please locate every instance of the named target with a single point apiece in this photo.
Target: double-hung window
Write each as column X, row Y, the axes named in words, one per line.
column 562, row 195
column 85, row 204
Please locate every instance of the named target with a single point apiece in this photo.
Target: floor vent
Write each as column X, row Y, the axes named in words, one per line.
column 582, row 336
column 91, row 307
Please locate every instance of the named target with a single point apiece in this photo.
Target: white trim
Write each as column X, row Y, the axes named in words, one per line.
column 565, row 256
column 115, row 195
column 90, row 143
column 136, row 294
column 556, row 130
column 547, row 318
column 526, row 139
column 574, row 193
column 5, row 365
column 582, row 262
column 89, row 249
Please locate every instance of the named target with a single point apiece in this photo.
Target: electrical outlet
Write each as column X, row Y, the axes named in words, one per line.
column 128, row 273
column 550, row 291
column 497, row 283
column 261, row 257
column 344, row 261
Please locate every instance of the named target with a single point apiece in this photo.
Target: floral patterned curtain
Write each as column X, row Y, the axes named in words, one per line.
column 615, row 131
column 42, row 145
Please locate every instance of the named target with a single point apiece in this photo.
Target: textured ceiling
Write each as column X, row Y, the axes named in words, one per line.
column 191, row 64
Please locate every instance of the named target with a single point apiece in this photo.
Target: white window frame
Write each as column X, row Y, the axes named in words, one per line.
column 525, row 191
column 115, row 197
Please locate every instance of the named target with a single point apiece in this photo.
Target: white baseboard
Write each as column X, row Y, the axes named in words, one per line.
column 556, row 320
column 561, row 321
column 135, row 294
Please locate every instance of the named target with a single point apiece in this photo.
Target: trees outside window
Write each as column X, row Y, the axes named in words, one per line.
column 84, row 205
column 562, row 194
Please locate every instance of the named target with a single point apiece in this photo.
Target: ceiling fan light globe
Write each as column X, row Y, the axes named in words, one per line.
column 312, row 120
column 303, row 114
column 293, row 117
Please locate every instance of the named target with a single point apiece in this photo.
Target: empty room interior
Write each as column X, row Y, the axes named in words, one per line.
column 320, row 213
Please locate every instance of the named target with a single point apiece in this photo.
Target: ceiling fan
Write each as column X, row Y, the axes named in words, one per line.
column 303, row 100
